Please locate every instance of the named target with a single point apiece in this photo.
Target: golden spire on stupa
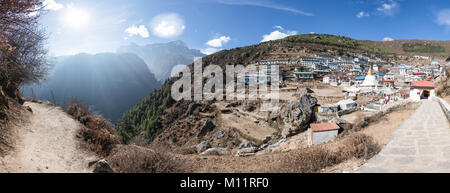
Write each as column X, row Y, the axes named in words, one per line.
column 370, row 73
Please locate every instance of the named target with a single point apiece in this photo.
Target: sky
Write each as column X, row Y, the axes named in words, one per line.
column 88, row 26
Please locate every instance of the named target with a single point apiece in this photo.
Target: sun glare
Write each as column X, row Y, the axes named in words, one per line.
column 76, row 18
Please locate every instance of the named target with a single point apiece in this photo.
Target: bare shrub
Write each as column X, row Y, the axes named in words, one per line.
column 360, row 146
column 315, row 158
column 23, row 57
column 99, row 134
column 77, row 109
column 135, row 159
column 187, row 150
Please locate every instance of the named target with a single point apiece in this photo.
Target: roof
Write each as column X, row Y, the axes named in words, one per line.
column 418, row 73
column 324, row 127
column 422, row 84
column 303, row 73
column 389, row 80
column 346, row 101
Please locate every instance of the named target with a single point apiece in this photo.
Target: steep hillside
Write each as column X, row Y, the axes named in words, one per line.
column 319, row 42
column 159, row 117
column 161, row 58
column 416, row 47
column 109, row 83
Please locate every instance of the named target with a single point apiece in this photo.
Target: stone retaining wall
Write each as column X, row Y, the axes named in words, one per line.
column 445, row 106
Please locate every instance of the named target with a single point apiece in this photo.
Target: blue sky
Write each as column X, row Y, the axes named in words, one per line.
column 76, row 26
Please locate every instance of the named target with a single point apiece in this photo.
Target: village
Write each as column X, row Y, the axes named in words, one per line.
column 346, row 87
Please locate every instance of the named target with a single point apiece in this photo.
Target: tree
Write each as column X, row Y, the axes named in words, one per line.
column 23, row 58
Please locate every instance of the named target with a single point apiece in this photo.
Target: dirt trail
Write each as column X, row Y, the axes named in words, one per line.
column 47, row 143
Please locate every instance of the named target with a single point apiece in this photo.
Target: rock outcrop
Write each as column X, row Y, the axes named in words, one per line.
column 201, row 147
column 207, row 127
column 295, row 116
column 102, row 166
column 215, row 151
column 249, row 105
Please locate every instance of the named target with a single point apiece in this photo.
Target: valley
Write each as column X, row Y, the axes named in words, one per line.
column 327, row 84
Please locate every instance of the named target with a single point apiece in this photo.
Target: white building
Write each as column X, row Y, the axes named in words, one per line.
column 347, row 104
column 421, row 90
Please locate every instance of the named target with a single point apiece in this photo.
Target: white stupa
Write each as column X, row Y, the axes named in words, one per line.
column 370, row 80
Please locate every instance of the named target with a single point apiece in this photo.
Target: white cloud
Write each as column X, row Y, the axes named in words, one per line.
column 278, row 27
column 141, row 30
column 218, row 42
column 52, row 5
column 443, row 17
column 167, row 25
column 209, row 51
column 362, row 14
column 388, row 8
column 275, row 35
column 265, row 4
column 387, row 39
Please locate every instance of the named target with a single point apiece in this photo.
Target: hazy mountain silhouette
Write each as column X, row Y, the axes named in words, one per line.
column 110, row 83
column 161, row 58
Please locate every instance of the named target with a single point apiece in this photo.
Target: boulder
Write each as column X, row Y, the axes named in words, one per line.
column 215, row 151
column 246, row 144
column 305, row 91
column 207, row 127
column 246, row 152
column 192, row 108
column 201, row 147
column 249, row 105
column 233, row 104
column 101, row 166
column 308, row 102
column 296, row 115
column 277, row 144
column 218, row 135
column 267, row 139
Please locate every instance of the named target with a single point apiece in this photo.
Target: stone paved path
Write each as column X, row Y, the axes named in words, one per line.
column 421, row 144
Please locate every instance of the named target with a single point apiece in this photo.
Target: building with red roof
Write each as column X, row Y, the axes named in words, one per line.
column 323, row 132
column 389, row 82
column 420, row 90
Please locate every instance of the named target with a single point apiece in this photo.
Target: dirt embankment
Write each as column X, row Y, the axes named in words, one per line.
column 380, row 131
column 46, row 142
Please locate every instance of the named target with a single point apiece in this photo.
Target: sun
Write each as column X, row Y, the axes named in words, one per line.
column 76, row 18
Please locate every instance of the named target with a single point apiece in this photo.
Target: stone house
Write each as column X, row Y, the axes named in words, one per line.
column 322, row 132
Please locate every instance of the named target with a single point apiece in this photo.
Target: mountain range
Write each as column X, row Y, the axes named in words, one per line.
column 109, row 83
column 162, row 57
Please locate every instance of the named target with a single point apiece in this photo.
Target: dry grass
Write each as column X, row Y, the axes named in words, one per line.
column 13, row 113
column 187, row 150
column 315, row 158
column 99, row 134
column 443, row 87
column 364, row 121
column 135, row 159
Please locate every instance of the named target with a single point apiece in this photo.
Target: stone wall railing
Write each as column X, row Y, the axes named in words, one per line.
column 445, row 106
